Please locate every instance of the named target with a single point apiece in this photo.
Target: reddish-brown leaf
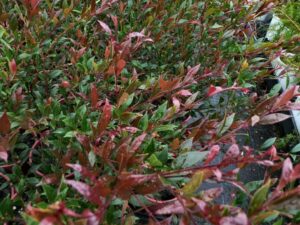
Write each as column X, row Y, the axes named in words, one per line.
column 94, row 96
column 286, row 96
column 273, row 118
column 101, row 188
column 168, row 85
column 107, row 52
column 115, row 21
column 85, row 172
column 185, row 220
column 105, row 117
column 120, row 66
column 296, row 173
column 122, row 99
column 93, row 6
column 4, row 124
column 13, row 67
column 106, row 149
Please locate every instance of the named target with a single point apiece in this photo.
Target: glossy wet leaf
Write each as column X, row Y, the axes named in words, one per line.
column 225, row 124
column 259, row 197
column 268, row 143
column 194, row 184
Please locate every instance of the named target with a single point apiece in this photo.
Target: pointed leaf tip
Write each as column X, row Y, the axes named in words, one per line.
column 4, row 124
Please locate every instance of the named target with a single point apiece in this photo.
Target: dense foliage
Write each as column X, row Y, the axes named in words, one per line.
column 116, row 112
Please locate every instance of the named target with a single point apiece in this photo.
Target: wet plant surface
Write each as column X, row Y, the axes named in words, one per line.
column 143, row 112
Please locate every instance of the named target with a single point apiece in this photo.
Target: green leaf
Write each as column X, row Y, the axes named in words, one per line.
column 163, row 156
column 92, row 158
column 187, row 145
column 24, row 56
column 264, row 216
column 275, row 90
column 56, row 73
column 50, row 193
column 167, row 127
column 150, row 147
column 160, row 112
column 81, row 111
column 259, row 197
column 154, row 161
column 268, row 143
column 296, row 148
column 193, row 185
column 29, row 220
column 225, row 124
column 189, row 159
column 127, row 103
column 143, row 123
column 69, row 134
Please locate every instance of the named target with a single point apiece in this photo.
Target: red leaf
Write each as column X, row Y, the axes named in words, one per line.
column 105, row 150
column 107, row 52
column 115, row 21
column 120, row 66
column 239, row 219
column 4, row 124
column 286, row 96
column 296, row 173
column 3, row 155
column 132, row 130
column 82, row 188
column 191, row 72
column 105, row 27
column 49, row 220
column 233, row 152
column 168, row 85
column 184, row 93
column 211, row 194
column 93, row 6
column 80, row 52
column 83, row 171
column 287, row 170
column 214, row 90
column 136, row 34
column 34, row 3
column 94, row 96
column 105, row 118
column 137, row 142
column 174, row 207
column 34, row 7
column 176, row 103
column 214, row 151
column 273, row 118
column 13, row 67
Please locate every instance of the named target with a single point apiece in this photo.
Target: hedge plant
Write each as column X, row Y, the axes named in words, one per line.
column 121, row 112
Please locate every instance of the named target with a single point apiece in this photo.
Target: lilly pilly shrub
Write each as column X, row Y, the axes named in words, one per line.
column 117, row 112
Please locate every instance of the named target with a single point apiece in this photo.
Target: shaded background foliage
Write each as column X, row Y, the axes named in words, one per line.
column 106, row 104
